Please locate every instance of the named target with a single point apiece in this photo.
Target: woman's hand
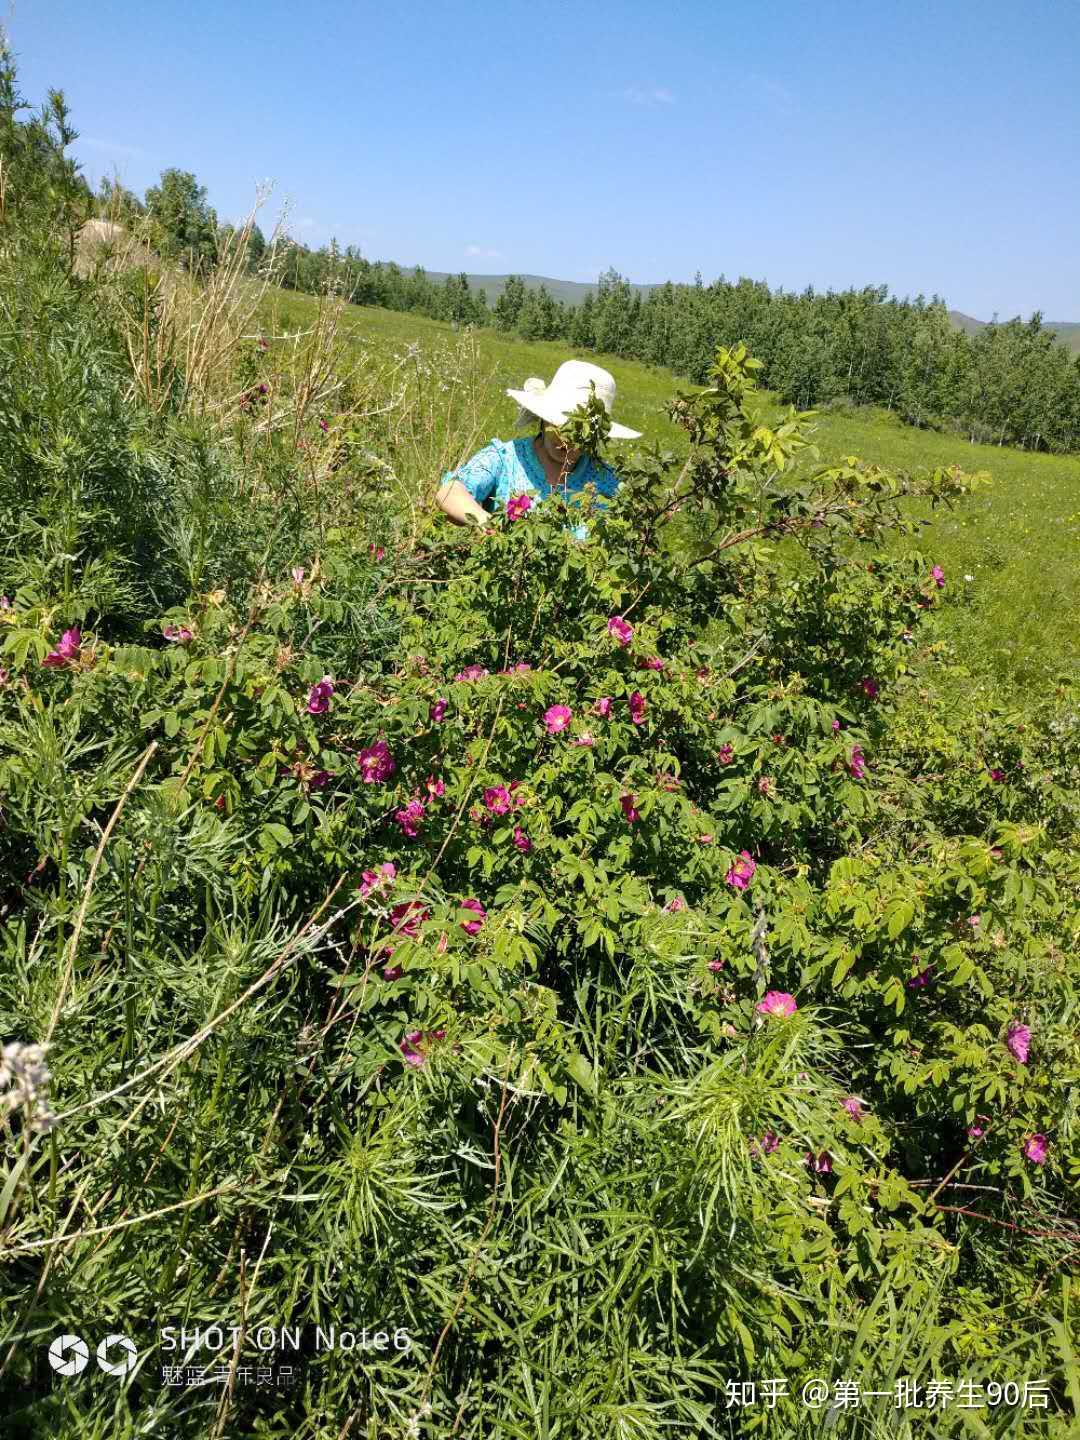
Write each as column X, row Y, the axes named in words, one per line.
column 460, row 507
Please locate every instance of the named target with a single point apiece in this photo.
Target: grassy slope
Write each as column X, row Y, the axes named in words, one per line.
column 1018, row 621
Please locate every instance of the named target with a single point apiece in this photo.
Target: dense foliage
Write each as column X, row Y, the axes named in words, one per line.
column 606, row 966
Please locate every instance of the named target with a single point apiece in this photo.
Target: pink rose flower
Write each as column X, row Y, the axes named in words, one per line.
column 857, row 764
column 821, row 1165
column 726, row 754
column 376, row 763
column 1018, row 1041
column 518, row 506
column 472, row 672
column 870, row 688
column 438, row 710
column 382, row 875
column 319, row 699
column 742, row 872
column 675, row 904
column 978, row 1130
column 521, row 840
column 637, row 707
column 603, row 706
column 777, row 1002
column 178, row 634
column 853, row 1105
column 584, row 739
column 557, row 718
column 497, row 799
column 411, row 818
column 1036, row 1149
column 472, row 927
column 619, row 630
column 436, row 788
column 654, row 663
column 997, row 776
column 627, row 803
column 67, row 651
column 406, row 918
column 938, row 577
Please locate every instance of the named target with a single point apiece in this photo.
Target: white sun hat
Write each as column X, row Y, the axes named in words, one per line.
column 569, row 388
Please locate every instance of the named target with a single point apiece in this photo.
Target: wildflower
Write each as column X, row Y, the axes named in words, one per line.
column 715, row 965
column 675, row 904
column 997, row 776
column 67, row 651
column 766, row 1145
column 619, row 630
column 742, row 872
column 24, row 1084
column 853, row 1105
column 411, row 818
column 323, row 426
column 726, row 754
column 557, row 718
column 472, row 672
column 668, row 782
column 319, row 698
column 472, row 927
column 627, row 803
column 978, row 1130
column 413, row 1056
column 264, row 390
column 517, row 799
column 5, row 603
column 835, row 726
column 437, row 710
column 584, row 739
column 922, row 979
column 518, row 506
column 654, row 663
column 704, row 839
column 1018, row 1041
column 603, row 706
column 777, row 1002
column 637, row 707
column 376, row 763
column 870, row 688
column 1036, row 1149
column 822, row 1165
column 974, row 921
column 178, row 634
column 298, row 574
column 261, row 345
column 4, row 674
column 392, row 972
column 497, row 799
column 407, row 918
column 378, row 553
column 857, row 764
column 521, row 840
column 436, row 788
column 372, row 879
column 766, row 785
column 938, row 577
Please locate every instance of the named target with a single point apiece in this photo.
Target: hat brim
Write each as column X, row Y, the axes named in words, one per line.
column 548, row 410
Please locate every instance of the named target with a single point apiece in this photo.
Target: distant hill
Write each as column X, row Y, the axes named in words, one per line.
column 572, row 292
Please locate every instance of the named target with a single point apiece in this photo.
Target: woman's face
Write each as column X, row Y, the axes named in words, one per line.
column 558, row 452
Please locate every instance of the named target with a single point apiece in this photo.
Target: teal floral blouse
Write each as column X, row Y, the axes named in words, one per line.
column 505, row 468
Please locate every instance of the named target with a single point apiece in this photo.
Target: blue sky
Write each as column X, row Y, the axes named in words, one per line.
column 930, row 147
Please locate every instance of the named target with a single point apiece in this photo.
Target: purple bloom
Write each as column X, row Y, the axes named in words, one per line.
column 769, row 1142
column 323, row 426
column 922, row 979
column 1036, row 1149
column 938, row 577
column 726, row 754
column 777, row 1002
column 319, row 699
column 822, row 1165
column 438, row 710
column 411, row 818
column 857, row 764
column 67, row 651
column 677, row 903
column 497, row 799
column 472, row 927
column 978, row 1130
column 603, row 706
column 298, row 574
column 376, row 763
column 319, row 779
column 619, row 630
column 836, row 725
column 436, row 788
column 518, row 506
column 655, row 663
column 742, row 872
column 178, row 634
column 997, row 775
column 383, row 875
column 472, row 672
column 637, row 708
column 853, row 1105
column 870, row 688
column 557, row 718
column 521, row 840
column 1018, row 1041
column 627, row 803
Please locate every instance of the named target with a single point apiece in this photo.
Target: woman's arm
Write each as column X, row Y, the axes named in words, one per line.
column 459, row 505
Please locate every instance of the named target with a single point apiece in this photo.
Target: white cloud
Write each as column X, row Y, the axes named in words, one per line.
column 482, row 252
column 652, row 95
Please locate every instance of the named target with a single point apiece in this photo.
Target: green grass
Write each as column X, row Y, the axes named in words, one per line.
column 1017, row 623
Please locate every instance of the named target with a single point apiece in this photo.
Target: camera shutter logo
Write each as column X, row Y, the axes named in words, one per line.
column 68, row 1355
column 118, row 1344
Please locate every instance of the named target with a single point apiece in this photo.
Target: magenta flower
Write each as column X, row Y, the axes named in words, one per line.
column 655, row 663
column 997, row 776
column 584, row 739
column 319, row 699
column 407, row 918
column 1018, row 1041
column 67, row 651
column 497, row 799
column 978, row 1130
column 5, row 603
column 603, row 706
column 319, row 779
column 726, row 754
column 411, row 818
column 437, row 710
column 938, row 577
column 472, row 672
column 715, row 965
column 619, row 630
column 857, row 764
column 767, row 1144
column 777, row 1002
column 822, row 1165
column 1036, row 1149
column 381, row 875
column 379, row 552
column 409, row 1048
column 557, row 718
column 742, row 872
column 376, row 763
column 518, row 506
column 637, row 707
column 178, row 634
column 853, row 1105
column 870, row 688
column 472, row 927
column 521, row 840
column 974, row 921
column 323, row 426
column 675, row 904
column 627, row 803
column 435, row 787
column 922, row 979
column 392, row 972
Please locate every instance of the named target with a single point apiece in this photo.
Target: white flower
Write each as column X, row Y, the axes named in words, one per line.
column 969, row 577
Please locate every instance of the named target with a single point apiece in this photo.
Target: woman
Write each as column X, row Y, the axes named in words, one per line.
column 536, row 465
